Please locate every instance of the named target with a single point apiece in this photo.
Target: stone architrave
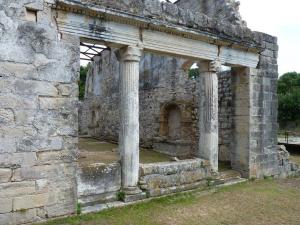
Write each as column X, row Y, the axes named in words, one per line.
column 208, row 112
column 129, row 117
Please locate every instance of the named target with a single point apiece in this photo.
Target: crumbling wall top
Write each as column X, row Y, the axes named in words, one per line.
column 221, row 10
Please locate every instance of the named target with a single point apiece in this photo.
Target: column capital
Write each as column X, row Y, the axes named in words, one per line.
column 131, row 53
column 210, row 66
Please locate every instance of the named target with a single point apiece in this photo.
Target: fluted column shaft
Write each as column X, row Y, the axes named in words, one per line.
column 208, row 112
column 129, row 116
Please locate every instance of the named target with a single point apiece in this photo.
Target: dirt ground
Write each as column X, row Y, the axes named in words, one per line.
column 94, row 151
column 295, row 158
column 264, row 202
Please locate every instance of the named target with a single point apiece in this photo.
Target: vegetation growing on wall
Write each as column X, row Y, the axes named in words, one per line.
column 289, row 101
column 83, row 74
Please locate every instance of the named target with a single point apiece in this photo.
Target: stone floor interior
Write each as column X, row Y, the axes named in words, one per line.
column 94, row 151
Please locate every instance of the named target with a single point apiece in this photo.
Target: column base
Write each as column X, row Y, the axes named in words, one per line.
column 133, row 194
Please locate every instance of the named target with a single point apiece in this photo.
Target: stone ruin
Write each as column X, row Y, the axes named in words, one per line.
column 168, row 105
column 40, row 173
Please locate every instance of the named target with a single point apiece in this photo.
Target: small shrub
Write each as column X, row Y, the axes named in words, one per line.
column 148, row 194
column 209, row 182
column 78, row 208
column 121, row 195
column 268, row 177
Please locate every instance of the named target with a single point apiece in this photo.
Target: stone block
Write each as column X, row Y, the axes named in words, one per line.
column 62, row 208
column 268, row 53
column 55, row 123
column 24, row 117
column 22, row 217
column 68, row 90
column 12, row 101
column 38, row 5
column 5, row 175
column 17, row 189
column 8, row 145
column 42, row 185
column 57, row 103
column 17, row 70
column 38, row 172
column 30, row 201
column 17, row 159
column 5, row 85
column 19, row 131
column 98, row 199
column 31, row 87
column 5, row 205
column 168, row 168
column 99, row 178
column 71, row 39
column 34, row 143
column 154, row 7
column 136, row 197
column 51, row 70
column 47, row 157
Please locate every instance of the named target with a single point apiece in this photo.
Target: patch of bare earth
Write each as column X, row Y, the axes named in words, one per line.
column 295, row 158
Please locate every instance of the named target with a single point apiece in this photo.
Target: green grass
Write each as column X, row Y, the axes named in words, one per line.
column 259, row 202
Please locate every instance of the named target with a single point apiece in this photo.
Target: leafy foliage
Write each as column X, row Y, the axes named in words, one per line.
column 289, row 98
column 193, row 73
column 83, row 74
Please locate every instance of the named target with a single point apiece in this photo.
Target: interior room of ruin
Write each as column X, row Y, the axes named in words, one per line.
column 168, row 106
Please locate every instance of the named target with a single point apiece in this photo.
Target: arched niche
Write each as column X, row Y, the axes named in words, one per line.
column 171, row 122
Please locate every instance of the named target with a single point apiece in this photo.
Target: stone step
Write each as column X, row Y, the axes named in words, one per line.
column 101, row 207
column 97, row 199
column 226, row 176
column 233, row 181
column 98, row 203
column 135, row 197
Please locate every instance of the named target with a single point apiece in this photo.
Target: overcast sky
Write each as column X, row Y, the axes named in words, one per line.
column 279, row 18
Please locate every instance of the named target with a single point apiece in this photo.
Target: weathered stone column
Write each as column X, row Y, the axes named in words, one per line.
column 129, row 118
column 208, row 112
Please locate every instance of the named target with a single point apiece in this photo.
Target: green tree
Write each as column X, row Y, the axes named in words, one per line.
column 289, row 98
column 83, row 74
column 193, row 73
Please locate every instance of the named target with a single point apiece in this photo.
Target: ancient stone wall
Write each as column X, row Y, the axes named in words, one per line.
column 38, row 114
column 83, row 116
column 265, row 159
column 225, row 115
